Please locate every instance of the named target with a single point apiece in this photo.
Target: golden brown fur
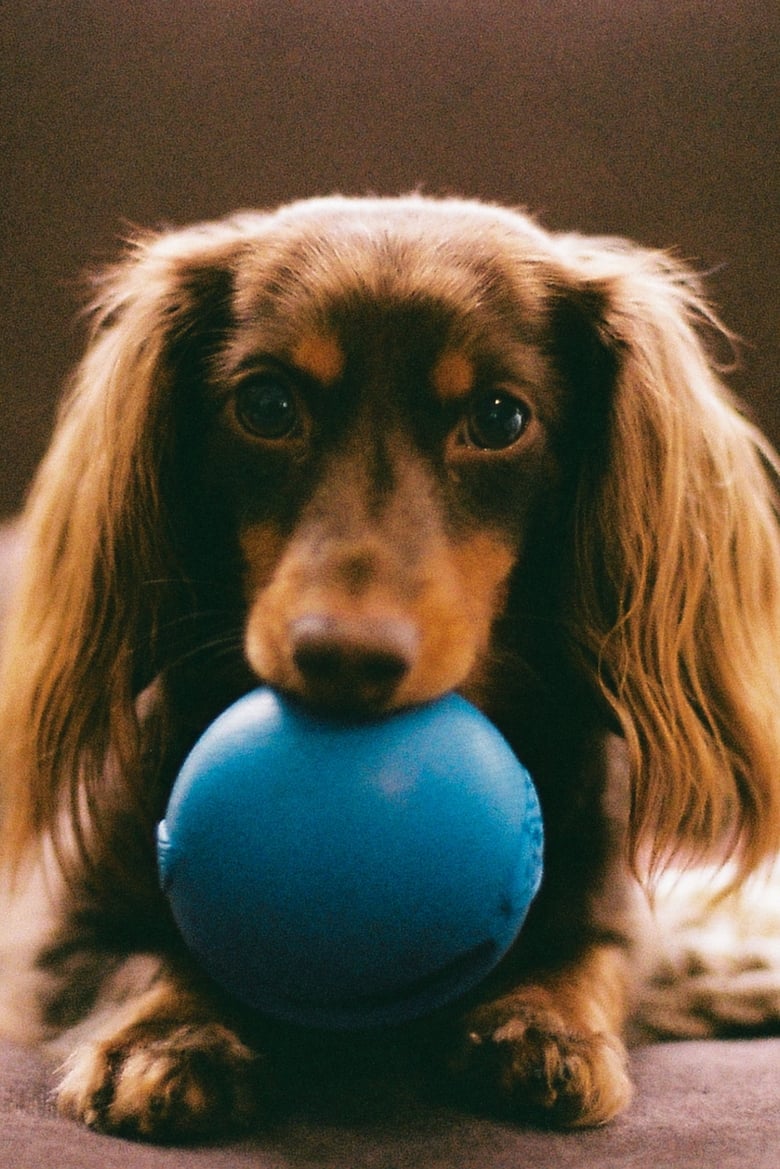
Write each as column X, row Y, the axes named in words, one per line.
column 606, row 586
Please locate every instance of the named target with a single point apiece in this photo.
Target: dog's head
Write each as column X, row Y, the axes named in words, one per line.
column 394, row 425
column 410, row 446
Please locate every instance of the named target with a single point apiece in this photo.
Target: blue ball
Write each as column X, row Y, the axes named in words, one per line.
column 350, row 875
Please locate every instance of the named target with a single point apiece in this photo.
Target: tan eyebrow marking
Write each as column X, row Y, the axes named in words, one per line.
column 321, row 356
column 453, row 375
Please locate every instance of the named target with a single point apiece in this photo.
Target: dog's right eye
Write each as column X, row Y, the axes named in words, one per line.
column 267, row 408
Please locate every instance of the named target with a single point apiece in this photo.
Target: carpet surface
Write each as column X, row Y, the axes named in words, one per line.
column 699, row 1105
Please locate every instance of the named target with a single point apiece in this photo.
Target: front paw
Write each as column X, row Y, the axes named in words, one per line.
column 153, row 1082
column 525, row 1061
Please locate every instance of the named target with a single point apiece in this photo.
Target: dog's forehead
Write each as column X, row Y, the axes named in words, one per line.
column 395, row 252
column 323, row 278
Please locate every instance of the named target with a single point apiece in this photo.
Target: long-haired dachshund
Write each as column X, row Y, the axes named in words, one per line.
column 369, row 452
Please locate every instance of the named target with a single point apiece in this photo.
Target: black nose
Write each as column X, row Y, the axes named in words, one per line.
column 352, row 662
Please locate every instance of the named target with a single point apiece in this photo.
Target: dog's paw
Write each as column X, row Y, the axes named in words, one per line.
column 529, row 1064
column 164, row 1084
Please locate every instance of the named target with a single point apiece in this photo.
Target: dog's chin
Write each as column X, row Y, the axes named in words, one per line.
column 345, row 707
column 356, row 703
column 372, row 690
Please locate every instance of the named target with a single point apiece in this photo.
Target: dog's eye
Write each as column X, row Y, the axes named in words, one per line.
column 495, row 422
column 267, row 408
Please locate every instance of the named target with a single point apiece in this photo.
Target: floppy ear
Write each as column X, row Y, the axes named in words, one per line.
column 103, row 549
column 676, row 612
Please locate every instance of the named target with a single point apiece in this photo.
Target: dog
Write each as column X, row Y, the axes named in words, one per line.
column 368, row 452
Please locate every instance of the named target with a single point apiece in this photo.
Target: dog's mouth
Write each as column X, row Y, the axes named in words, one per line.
column 352, row 666
column 363, row 647
column 358, row 666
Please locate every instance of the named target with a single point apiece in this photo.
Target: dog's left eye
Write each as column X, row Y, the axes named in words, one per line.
column 267, row 408
column 495, row 421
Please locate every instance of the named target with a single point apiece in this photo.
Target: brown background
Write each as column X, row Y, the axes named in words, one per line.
column 655, row 119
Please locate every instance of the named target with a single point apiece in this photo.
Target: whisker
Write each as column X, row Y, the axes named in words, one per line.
column 217, row 649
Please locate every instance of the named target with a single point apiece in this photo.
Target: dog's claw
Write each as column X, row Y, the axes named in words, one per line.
column 538, row 1071
column 149, row 1084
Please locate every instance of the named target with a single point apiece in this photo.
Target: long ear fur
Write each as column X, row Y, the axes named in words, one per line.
column 101, row 557
column 677, row 612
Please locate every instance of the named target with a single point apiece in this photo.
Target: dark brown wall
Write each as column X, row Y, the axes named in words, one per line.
column 650, row 118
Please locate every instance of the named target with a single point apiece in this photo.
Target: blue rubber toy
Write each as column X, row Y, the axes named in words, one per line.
column 348, row 876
